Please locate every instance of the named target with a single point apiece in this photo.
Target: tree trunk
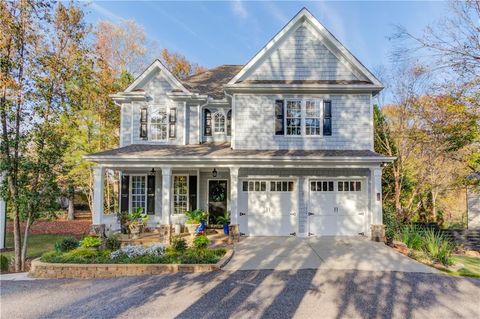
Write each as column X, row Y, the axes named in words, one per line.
column 17, row 240
column 25, row 242
column 71, row 210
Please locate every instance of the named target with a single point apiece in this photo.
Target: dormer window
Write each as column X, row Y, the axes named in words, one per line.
column 158, row 124
column 218, row 123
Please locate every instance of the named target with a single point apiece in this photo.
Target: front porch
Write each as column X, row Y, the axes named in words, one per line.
column 165, row 194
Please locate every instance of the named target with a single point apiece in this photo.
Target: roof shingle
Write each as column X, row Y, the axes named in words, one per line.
column 211, row 82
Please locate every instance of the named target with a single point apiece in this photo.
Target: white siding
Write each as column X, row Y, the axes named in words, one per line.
column 302, row 56
column 351, row 124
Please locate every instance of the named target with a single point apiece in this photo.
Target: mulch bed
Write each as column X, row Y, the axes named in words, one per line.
column 58, row 227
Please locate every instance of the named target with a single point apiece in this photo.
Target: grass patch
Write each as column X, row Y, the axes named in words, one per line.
column 37, row 244
column 471, row 266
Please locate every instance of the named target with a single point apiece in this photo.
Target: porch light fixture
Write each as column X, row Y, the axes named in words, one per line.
column 214, row 173
column 152, row 172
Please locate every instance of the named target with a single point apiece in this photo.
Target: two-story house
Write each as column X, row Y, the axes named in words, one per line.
column 284, row 142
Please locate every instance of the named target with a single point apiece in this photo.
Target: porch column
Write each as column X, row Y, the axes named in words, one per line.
column 234, row 195
column 166, row 196
column 3, row 215
column 98, row 185
column 376, row 195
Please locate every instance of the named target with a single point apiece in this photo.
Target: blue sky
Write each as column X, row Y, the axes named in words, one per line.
column 214, row 33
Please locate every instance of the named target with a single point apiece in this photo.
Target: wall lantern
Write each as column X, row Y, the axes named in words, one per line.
column 152, row 172
column 214, row 173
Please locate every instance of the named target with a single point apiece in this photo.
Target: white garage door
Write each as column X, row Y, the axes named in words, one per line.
column 268, row 207
column 337, row 207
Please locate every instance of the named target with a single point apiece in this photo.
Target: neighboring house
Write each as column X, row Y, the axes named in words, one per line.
column 284, row 143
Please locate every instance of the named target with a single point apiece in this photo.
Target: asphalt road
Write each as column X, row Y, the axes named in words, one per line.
column 247, row 294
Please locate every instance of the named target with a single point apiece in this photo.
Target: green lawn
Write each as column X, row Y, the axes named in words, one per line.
column 37, row 244
column 471, row 266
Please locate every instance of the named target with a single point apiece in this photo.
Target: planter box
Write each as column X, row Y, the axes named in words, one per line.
column 40, row 269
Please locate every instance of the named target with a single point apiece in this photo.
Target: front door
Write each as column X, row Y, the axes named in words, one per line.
column 217, row 199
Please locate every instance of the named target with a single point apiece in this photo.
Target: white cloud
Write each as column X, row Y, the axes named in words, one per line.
column 105, row 12
column 239, row 9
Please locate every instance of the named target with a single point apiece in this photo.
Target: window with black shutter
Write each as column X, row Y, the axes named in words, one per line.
column 327, row 118
column 229, row 123
column 279, row 118
column 124, row 193
column 207, row 127
column 143, row 123
column 151, row 194
column 172, row 120
column 192, row 192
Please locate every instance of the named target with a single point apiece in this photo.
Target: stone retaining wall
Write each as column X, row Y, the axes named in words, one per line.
column 40, row 269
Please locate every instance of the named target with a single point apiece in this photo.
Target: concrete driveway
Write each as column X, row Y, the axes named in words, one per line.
column 334, row 253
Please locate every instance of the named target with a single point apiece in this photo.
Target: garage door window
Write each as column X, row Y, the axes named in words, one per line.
column 322, row 186
column 282, row 186
column 254, row 186
column 349, row 186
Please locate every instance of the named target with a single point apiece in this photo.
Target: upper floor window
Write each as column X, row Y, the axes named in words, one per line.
column 159, row 124
column 218, row 123
column 296, row 117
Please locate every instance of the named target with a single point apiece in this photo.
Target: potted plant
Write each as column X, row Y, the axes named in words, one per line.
column 195, row 218
column 136, row 222
column 225, row 221
column 122, row 218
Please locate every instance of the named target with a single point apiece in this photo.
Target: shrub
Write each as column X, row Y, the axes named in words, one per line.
column 203, row 256
column 90, row 242
column 178, row 244
column 412, row 237
column 438, row 247
column 201, row 242
column 390, row 221
column 113, row 242
column 66, row 244
column 4, row 261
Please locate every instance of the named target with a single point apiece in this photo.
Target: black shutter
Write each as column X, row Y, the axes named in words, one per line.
column 151, row 194
column 143, row 123
column 327, row 118
column 279, row 115
column 229, row 123
column 124, row 193
column 172, row 119
column 207, row 123
column 192, row 192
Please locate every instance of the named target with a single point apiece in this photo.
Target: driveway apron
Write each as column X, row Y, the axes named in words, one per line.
column 328, row 252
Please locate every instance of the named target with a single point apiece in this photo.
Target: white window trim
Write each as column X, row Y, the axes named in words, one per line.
column 131, row 188
column 172, row 208
column 214, row 127
column 303, row 134
column 151, row 109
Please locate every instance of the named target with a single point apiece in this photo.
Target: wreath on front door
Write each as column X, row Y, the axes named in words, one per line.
column 218, row 194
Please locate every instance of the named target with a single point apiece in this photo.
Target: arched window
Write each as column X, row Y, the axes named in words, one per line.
column 207, row 127
column 218, row 123
column 229, row 123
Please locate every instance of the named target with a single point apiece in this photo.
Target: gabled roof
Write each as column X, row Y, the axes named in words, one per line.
column 211, row 82
column 155, row 66
column 337, row 49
